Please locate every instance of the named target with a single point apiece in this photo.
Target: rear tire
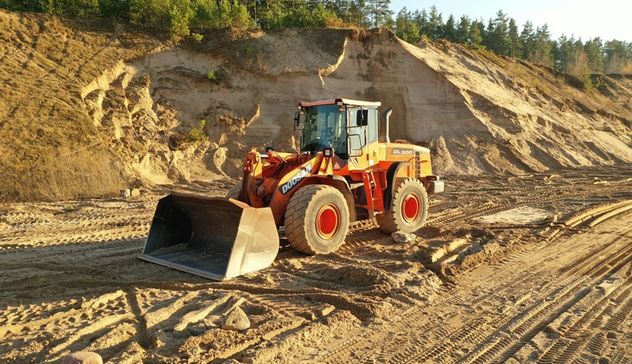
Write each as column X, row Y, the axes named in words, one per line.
column 317, row 219
column 409, row 209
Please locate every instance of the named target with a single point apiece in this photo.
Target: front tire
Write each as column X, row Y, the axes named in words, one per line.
column 317, row 219
column 409, row 209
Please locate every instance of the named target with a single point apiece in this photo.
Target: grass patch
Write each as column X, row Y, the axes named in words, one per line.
column 213, row 75
column 196, row 132
column 83, row 173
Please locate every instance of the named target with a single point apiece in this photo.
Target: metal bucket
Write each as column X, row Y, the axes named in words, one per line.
column 215, row 238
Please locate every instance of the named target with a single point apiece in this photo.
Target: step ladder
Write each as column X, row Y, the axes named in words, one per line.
column 373, row 190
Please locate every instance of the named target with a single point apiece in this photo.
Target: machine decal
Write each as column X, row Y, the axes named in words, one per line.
column 398, row 151
column 304, row 172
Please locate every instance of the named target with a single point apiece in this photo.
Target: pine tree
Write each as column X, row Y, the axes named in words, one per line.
column 543, row 47
column 421, row 19
column 357, row 13
column 593, row 49
column 463, row 30
column 435, row 24
column 449, row 29
column 405, row 26
column 527, row 41
column 487, row 35
column 477, row 31
column 497, row 38
column 515, row 47
column 618, row 56
column 379, row 12
column 562, row 52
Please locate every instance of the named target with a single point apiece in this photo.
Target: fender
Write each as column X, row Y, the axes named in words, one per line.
column 279, row 201
column 391, row 175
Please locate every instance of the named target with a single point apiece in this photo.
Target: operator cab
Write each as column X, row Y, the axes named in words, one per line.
column 344, row 125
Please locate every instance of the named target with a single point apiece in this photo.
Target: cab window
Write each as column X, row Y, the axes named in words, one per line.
column 356, row 134
column 372, row 131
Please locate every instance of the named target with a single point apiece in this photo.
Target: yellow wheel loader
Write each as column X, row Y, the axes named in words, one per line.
column 345, row 170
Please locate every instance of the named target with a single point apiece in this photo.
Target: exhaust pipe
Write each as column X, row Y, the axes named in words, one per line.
column 387, row 118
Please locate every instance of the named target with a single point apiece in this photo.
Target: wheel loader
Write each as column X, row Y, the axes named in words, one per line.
column 346, row 170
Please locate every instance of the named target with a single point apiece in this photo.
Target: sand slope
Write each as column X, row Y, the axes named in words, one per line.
column 124, row 108
column 478, row 112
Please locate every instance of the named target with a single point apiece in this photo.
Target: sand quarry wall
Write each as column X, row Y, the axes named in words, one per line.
column 177, row 113
column 478, row 112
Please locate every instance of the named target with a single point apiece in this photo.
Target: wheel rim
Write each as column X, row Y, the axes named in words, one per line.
column 410, row 207
column 327, row 221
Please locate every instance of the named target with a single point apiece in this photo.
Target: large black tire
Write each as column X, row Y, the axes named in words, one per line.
column 401, row 215
column 234, row 191
column 317, row 219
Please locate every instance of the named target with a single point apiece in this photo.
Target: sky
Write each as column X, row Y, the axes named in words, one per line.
column 608, row 19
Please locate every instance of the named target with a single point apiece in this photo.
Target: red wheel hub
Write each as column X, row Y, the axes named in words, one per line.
column 327, row 221
column 410, row 207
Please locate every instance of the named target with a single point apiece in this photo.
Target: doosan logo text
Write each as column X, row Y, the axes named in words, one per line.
column 287, row 186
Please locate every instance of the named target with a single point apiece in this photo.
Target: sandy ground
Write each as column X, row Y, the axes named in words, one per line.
column 526, row 268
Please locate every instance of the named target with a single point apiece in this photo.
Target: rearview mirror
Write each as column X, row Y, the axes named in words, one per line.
column 297, row 120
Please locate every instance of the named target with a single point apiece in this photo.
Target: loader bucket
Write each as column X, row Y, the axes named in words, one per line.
column 214, row 238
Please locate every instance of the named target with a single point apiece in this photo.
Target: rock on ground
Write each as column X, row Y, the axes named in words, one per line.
column 236, row 320
column 402, row 237
column 82, row 357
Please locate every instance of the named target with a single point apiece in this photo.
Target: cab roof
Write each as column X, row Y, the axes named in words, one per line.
column 335, row 101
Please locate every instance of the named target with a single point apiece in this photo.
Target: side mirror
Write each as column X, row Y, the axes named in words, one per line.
column 297, row 120
column 362, row 117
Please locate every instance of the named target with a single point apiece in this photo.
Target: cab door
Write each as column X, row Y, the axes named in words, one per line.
column 362, row 135
column 372, row 145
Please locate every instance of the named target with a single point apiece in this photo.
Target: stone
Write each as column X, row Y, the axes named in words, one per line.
column 134, row 192
column 321, row 313
column 126, row 193
column 197, row 329
column 434, row 253
column 82, row 357
column 327, row 310
column 403, row 238
column 455, row 244
column 236, row 320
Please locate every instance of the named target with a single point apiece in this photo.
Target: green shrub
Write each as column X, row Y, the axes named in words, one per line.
column 197, row 37
column 180, row 15
column 196, row 132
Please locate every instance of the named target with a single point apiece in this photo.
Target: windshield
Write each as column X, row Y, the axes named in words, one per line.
column 325, row 126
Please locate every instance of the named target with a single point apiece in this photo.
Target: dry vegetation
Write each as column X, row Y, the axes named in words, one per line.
column 51, row 148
